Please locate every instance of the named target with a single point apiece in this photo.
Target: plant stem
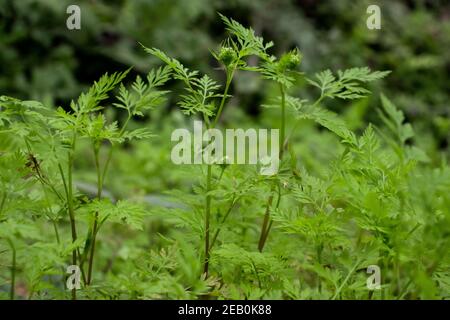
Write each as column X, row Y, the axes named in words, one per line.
column 95, row 226
column 283, row 120
column 319, row 250
column 55, row 227
column 230, row 73
column 13, row 270
column 267, row 222
column 216, row 234
column 108, row 158
column 71, row 208
column 207, row 220
column 338, row 291
column 2, row 203
column 66, row 190
column 50, row 214
column 405, row 290
column 255, row 270
column 92, row 249
column 101, row 174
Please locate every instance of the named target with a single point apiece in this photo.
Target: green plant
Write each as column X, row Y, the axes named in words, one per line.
column 342, row 200
column 48, row 139
column 243, row 43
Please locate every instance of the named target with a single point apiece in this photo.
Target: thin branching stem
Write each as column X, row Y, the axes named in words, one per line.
column 71, row 204
column 283, row 120
column 2, row 203
column 13, row 270
column 350, row 273
column 95, row 224
column 207, row 220
column 230, row 73
column 224, row 219
column 267, row 222
column 101, row 175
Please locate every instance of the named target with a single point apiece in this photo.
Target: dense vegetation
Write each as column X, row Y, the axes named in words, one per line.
column 91, row 183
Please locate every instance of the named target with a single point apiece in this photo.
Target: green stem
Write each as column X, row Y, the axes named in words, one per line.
column 255, row 271
column 225, row 217
column 55, row 227
column 267, row 222
column 13, row 271
column 338, row 291
column 66, row 190
column 405, row 290
column 95, row 226
column 108, row 158
column 71, row 216
column 230, row 73
column 207, row 220
column 101, row 175
column 283, row 120
column 2, row 203
column 71, row 207
column 266, row 234
column 319, row 250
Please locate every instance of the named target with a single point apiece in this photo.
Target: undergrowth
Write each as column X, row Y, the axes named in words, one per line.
column 227, row 232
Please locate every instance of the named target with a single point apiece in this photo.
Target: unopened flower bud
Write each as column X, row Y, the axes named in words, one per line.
column 227, row 55
column 290, row 60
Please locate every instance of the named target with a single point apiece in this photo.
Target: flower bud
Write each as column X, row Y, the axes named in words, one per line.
column 227, row 55
column 290, row 60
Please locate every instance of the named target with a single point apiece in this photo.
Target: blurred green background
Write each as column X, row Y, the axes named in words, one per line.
column 41, row 59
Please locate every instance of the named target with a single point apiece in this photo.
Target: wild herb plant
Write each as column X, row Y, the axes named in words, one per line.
column 202, row 94
column 45, row 144
column 341, row 201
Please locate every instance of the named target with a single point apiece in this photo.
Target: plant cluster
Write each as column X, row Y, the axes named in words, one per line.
column 308, row 232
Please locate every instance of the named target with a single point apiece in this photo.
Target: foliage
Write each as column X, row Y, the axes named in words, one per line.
column 83, row 185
